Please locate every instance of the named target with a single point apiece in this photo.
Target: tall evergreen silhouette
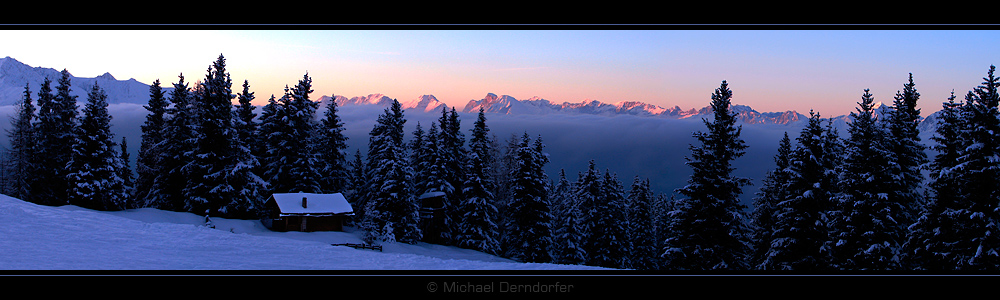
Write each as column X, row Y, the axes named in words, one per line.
column 708, row 228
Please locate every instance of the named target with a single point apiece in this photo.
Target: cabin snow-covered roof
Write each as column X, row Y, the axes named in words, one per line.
column 291, row 203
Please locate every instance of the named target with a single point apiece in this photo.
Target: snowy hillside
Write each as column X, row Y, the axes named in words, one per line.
column 14, row 75
column 71, row 238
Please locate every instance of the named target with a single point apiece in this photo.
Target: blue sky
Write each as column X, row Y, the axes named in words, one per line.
column 770, row 70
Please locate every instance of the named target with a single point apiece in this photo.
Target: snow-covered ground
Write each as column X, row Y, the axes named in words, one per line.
column 36, row 237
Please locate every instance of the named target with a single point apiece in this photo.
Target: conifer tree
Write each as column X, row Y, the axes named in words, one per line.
column 771, row 194
column 931, row 239
column 36, row 183
column 430, row 182
column 976, row 172
column 56, row 119
column 567, row 224
column 208, row 189
column 611, row 221
column 332, row 146
column 907, row 152
column 21, row 154
column 174, row 151
column 450, row 142
column 391, row 211
column 288, row 124
column 799, row 240
column 305, row 166
column 248, row 195
column 478, row 227
column 528, row 226
column 357, row 187
column 93, row 168
column 125, row 172
column 867, row 232
column 708, row 230
column 641, row 229
column 147, row 164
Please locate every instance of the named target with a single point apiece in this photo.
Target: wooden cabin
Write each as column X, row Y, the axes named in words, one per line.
column 306, row 212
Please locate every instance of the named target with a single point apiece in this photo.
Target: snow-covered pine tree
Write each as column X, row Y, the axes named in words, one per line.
column 36, row 183
column 93, row 167
column 567, row 224
column 612, row 243
column 931, row 239
column 57, row 117
column 305, row 165
column 272, row 133
column 389, row 201
column 976, row 172
column 246, row 125
column 478, row 228
column 357, row 188
column 289, row 127
column 174, row 150
column 867, row 232
column 332, row 147
column 708, row 229
column 641, row 234
column 589, row 192
column 800, row 237
column 21, row 151
column 528, row 227
column 208, row 188
column 430, row 182
column 147, row 165
column 125, row 172
column 248, row 196
column 772, row 192
column 907, row 151
column 504, row 165
column 451, row 140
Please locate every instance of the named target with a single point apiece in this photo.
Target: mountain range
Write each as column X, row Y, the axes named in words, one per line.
column 14, row 75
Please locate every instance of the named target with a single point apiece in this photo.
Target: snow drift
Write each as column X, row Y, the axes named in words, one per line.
column 37, row 237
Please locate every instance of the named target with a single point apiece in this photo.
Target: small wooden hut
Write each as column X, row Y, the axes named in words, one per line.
column 306, row 212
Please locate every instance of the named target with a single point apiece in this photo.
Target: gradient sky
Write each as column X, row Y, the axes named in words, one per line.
column 771, row 70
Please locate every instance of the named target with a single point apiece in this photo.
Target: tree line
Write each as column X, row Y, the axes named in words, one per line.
column 830, row 203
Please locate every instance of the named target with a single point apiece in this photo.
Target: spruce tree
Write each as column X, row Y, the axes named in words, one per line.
column 332, row 146
column 800, row 236
column 589, row 193
column 56, row 119
column 357, row 188
column 147, row 164
column 248, row 195
column 125, row 172
column 976, row 172
column 21, row 154
column 931, row 239
column 175, row 151
column 288, row 124
column 93, row 168
column 567, row 224
column 391, row 211
column 907, row 152
column 641, row 229
column 708, row 230
column 868, row 231
column 208, row 189
column 610, row 217
column 37, row 181
column 478, row 227
column 430, row 182
column 772, row 193
column 528, row 226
